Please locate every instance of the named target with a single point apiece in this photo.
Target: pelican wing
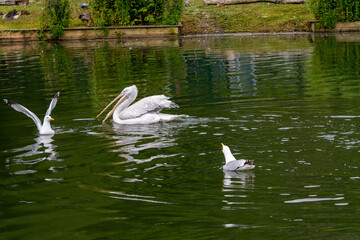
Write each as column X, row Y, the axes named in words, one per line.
column 52, row 104
column 147, row 105
column 25, row 111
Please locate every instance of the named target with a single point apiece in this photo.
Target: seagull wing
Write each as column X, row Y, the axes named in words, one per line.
column 241, row 164
column 234, row 165
column 147, row 105
column 25, row 111
column 52, row 104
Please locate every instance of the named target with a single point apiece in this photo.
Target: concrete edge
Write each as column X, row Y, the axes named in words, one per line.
column 83, row 33
column 340, row 27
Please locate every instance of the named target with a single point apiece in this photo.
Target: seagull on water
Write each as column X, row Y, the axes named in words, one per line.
column 231, row 164
column 45, row 128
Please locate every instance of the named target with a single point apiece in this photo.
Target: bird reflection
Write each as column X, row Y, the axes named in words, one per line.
column 235, row 188
column 238, row 179
column 32, row 154
column 133, row 139
column 46, row 141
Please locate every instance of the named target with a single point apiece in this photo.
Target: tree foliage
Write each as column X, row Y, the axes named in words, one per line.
column 329, row 12
column 136, row 12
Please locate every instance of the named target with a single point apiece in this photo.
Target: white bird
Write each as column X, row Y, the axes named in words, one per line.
column 231, row 164
column 45, row 128
column 144, row 111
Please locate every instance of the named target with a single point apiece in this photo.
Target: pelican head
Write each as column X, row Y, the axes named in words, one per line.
column 128, row 92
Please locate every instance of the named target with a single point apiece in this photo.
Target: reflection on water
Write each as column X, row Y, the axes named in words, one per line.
column 131, row 140
column 314, row 199
column 33, row 154
column 288, row 102
column 235, row 184
column 125, row 196
column 132, row 197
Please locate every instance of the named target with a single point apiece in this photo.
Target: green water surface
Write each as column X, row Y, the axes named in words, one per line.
column 288, row 102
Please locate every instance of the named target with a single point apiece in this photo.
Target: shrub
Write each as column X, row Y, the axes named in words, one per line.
column 329, row 12
column 135, row 12
column 55, row 16
column 172, row 12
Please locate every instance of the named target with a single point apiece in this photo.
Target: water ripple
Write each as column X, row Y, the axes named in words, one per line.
column 302, row 200
column 134, row 197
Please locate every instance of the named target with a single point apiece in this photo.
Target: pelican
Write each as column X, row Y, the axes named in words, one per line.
column 231, row 164
column 45, row 128
column 144, row 111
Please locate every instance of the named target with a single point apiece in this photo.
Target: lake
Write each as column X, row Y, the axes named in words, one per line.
column 288, row 102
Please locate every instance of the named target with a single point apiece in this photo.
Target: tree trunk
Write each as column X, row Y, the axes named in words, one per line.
column 230, row 2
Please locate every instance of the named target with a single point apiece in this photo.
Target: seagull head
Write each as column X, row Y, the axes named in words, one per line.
column 225, row 148
column 48, row 118
column 227, row 153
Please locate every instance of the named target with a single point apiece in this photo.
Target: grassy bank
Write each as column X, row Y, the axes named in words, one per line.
column 198, row 18
column 254, row 17
column 33, row 20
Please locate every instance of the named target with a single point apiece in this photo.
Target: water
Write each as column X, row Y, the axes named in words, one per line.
column 288, row 102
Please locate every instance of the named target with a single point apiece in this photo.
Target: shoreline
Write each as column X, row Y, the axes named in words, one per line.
column 150, row 32
column 88, row 33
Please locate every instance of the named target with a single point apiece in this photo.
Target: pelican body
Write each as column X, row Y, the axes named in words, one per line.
column 144, row 111
column 45, row 128
column 231, row 164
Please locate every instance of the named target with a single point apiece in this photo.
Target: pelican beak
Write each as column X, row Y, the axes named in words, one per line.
column 51, row 119
column 123, row 97
column 120, row 95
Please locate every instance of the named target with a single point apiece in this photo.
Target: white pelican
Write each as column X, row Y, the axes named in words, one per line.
column 144, row 111
column 45, row 128
column 231, row 164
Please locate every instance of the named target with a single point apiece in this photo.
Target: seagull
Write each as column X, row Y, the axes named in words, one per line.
column 45, row 128
column 144, row 111
column 231, row 164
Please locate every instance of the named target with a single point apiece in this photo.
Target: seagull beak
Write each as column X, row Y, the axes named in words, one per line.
column 51, row 119
column 113, row 110
column 222, row 144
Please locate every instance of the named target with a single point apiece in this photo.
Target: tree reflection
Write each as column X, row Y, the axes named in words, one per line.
column 334, row 71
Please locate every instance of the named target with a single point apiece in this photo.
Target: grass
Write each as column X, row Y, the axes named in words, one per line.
column 198, row 18
column 254, row 17
column 33, row 20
